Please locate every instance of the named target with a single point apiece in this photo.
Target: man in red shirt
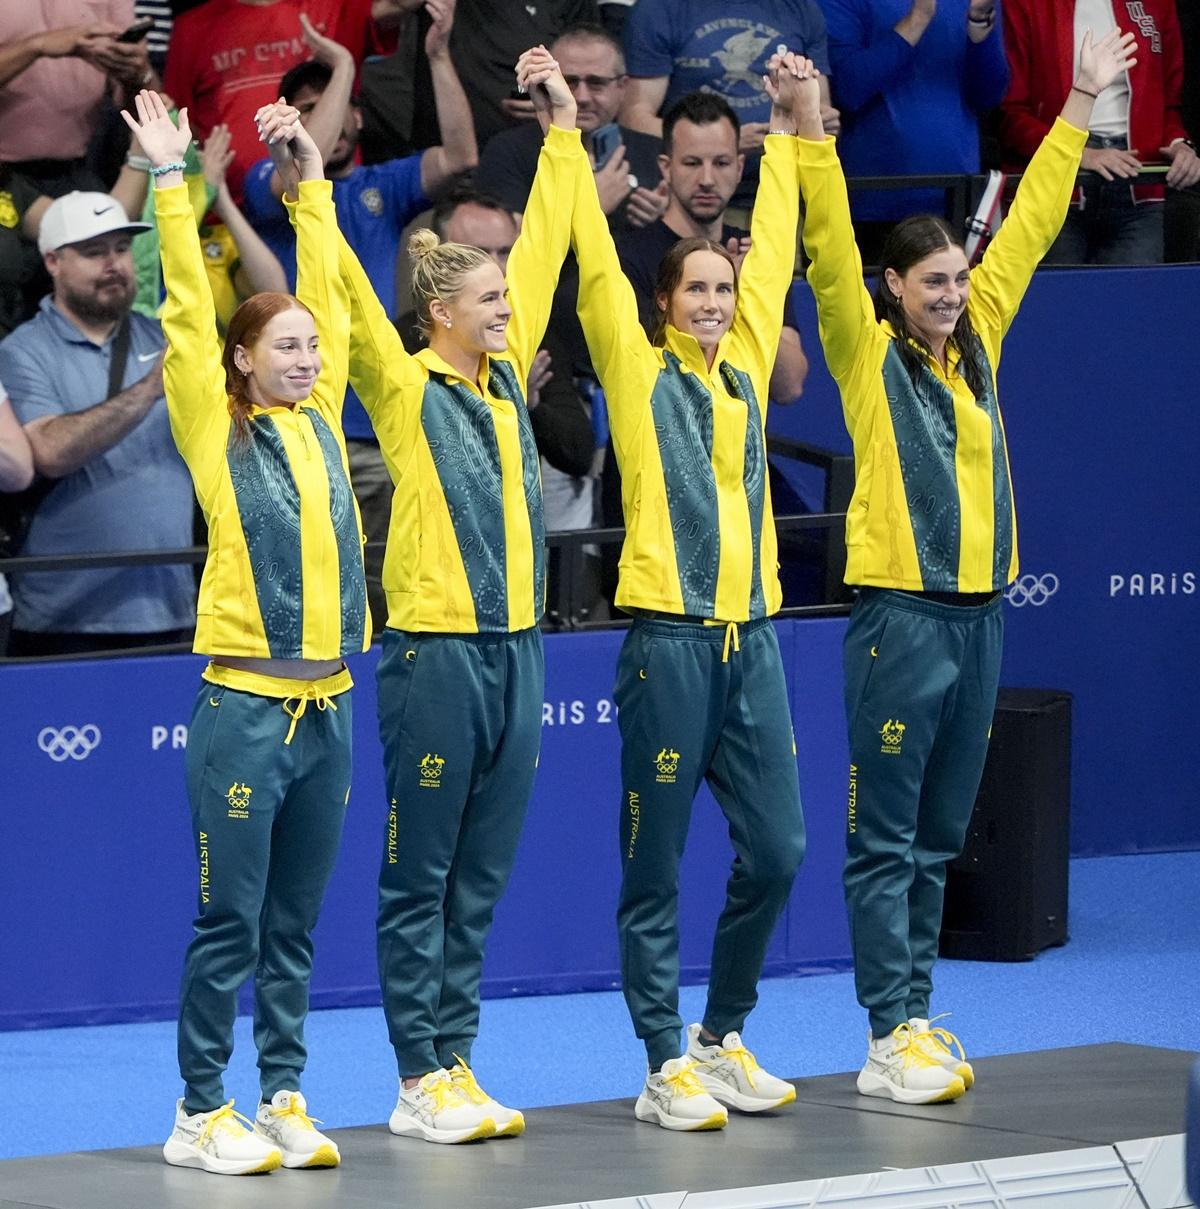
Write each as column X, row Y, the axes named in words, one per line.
column 1136, row 119
column 227, row 56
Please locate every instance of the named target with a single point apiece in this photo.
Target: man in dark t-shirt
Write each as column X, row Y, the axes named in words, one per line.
column 702, row 168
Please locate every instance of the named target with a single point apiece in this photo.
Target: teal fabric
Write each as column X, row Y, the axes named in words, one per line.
column 754, row 476
column 267, row 822
column 685, row 717
column 927, row 434
column 269, row 508
column 352, row 587
column 460, row 718
column 921, row 681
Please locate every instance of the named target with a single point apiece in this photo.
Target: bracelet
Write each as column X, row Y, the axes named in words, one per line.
column 139, row 163
column 789, row 133
column 990, row 19
column 163, row 169
column 1076, row 88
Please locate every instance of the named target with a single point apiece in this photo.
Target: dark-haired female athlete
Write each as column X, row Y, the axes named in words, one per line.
column 931, row 541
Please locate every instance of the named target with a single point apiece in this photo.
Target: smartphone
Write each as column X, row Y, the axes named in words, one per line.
column 605, row 141
column 137, row 31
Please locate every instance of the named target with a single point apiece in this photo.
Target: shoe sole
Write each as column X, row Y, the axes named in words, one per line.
column 409, row 1127
column 876, row 1085
column 514, row 1129
column 647, row 1110
column 182, row 1154
column 323, row 1156
column 732, row 1098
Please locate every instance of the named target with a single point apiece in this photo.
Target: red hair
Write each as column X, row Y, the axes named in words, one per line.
column 245, row 328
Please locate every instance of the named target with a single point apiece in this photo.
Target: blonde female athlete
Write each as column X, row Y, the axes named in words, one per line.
column 931, row 540
column 461, row 675
column 700, row 683
column 282, row 601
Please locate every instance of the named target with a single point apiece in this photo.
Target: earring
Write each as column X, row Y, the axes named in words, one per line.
column 448, row 323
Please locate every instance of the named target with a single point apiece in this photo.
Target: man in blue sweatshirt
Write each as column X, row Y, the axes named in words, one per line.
column 911, row 78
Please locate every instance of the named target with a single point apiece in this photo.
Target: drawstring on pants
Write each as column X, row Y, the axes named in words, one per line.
column 731, row 632
column 312, row 693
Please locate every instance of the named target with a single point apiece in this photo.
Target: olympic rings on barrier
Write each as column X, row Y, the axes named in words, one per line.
column 1032, row 590
column 69, row 742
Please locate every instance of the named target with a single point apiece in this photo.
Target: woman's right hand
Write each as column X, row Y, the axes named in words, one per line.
column 793, row 84
column 290, row 146
column 538, row 75
column 161, row 140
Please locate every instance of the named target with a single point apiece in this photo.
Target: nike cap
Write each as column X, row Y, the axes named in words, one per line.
column 81, row 216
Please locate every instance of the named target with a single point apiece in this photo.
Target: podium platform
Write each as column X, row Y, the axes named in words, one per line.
column 1089, row 1123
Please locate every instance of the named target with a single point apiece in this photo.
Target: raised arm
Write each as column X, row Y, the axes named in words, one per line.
column 536, row 258
column 318, row 278
column 844, row 308
column 193, row 377
column 767, row 271
column 458, row 151
column 1040, row 206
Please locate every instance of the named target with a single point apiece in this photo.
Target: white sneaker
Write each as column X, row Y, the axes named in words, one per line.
column 944, row 1047
column 728, row 1071
column 674, row 1098
column 219, row 1141
column 899, row 1067
column 285, row 1123
column 438, row 1111
column 509, row 1122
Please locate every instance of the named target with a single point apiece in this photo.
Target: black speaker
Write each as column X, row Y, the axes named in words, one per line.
column 1006, row 895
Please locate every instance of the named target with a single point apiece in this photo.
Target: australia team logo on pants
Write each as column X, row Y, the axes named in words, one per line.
column 430, row 768
column 667, row 763
column 892, row 735
column 238, row 798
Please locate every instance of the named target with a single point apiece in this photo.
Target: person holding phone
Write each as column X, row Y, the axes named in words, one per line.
column 931, row 545
column 700, row 689
column 282, row 603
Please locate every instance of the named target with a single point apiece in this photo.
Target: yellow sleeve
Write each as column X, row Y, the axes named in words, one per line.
column 537, row 256
column 1034, row 220
column 320, row 287
column 767, row 271
column 850, row 335
column 621, row 352
column 379, row 362
column 193, row 377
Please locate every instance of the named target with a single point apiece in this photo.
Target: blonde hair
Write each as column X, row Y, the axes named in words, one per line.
column 438, row 270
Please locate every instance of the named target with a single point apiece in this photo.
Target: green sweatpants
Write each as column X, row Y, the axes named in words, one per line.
column 687, row 715
column 460, row 716
column 267, row 820
column 921, row 680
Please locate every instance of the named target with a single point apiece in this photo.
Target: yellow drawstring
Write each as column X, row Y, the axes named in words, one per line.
column 312, row 693
column 731, row 632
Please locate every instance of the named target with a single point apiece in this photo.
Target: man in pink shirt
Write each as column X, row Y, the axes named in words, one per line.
column 59, row 59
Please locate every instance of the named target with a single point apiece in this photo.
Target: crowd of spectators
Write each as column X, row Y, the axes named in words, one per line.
column 672, row 112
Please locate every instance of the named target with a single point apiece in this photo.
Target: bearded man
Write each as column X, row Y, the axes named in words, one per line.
column 85, row 379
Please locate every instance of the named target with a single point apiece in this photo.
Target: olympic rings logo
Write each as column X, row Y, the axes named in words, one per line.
column 69, row 742
column 1032, row 590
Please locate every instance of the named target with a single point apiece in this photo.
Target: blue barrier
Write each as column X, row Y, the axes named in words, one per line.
column 99, row 876
column 1102, row 414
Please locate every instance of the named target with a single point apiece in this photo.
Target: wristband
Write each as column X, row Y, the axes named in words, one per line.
column 790, row 133
column 990, row 19
column 163, row 169
column 1076, row 88
column 139, row 163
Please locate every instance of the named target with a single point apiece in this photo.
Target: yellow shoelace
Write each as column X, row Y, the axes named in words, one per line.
column 295, row 1114
column 684, row 1081
column 441, row 1088
column 463, row 1077
column 744, row 1058
column 944, row 1042
column 908, row 1044
column 223, row 1120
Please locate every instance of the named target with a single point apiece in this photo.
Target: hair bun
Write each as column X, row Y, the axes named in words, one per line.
column 421, row 242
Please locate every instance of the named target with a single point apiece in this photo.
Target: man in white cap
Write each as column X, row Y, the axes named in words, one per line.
column 85, row 379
